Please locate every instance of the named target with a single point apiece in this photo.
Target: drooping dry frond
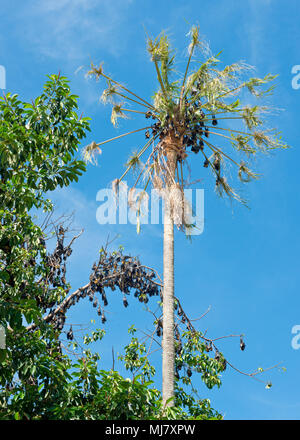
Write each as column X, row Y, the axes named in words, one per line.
column 222, row 187
column 158, row 184
column 119, row 187
column 142, row 200
column 117, row 112
column 96, row 71
column 245, row 174
column 188, row 213
column 174, row 200
column 178, row 205
column 138, row 203
column 90, row 151
column 109, row 94
column 137, row 200
column 115, row 187
column 157, row 177
column 132, row 199
column 267, row 141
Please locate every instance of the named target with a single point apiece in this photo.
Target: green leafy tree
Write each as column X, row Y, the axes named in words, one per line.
column 193, row 113
column 56, row 386
column 38, row 142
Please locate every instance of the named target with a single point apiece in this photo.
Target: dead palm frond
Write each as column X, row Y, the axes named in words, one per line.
column 245, row 174
column 117, row 112
column 222, row 187
column 109, row 94
column 174, row 199
column 267, row 141
column 89, row 153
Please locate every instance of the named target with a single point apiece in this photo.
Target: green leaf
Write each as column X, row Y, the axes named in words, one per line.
column 2, row 355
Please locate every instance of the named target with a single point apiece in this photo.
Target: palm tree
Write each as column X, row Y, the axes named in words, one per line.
column 191, row 113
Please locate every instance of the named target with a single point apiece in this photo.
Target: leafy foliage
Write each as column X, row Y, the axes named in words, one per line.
column 52, row 386
column 38, row 142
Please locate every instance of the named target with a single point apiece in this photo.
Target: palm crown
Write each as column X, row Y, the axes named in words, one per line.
column 186, row 116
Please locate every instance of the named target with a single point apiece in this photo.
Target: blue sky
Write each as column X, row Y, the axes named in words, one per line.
column 245, row 265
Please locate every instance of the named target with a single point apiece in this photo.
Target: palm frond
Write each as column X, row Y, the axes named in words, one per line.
column 195, row 40
column 159, row 48
column 222, row 187
column 96, row 71
column 117, row 112
column 89, row 153
column 241, row 143
column 235, row 69
column 254, row 83
column 267, row 141
column 158, row 184
column 160, row 52
column 250, row 116
column 109, row 94
column 201, row 75
column 245, row 174
column 133, row 161
column 115, row 186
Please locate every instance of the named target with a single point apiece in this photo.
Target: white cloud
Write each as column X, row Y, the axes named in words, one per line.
column 69, row 29
column 256, row 28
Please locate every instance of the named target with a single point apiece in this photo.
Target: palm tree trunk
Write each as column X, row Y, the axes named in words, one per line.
column 168, row 350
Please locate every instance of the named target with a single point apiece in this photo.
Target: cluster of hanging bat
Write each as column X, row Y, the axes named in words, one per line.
column 118, row 272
